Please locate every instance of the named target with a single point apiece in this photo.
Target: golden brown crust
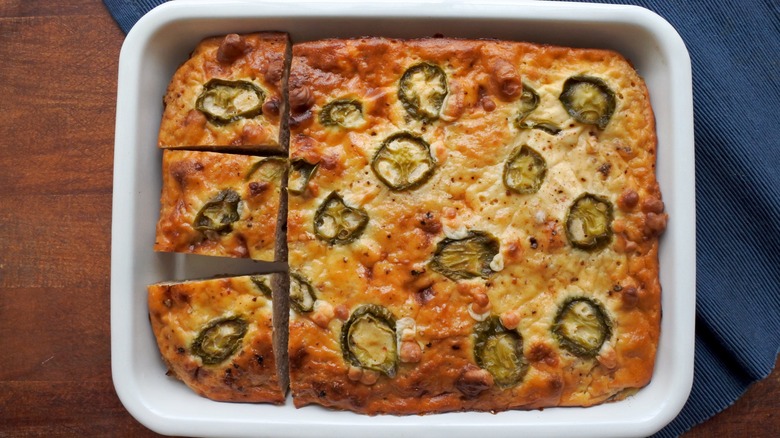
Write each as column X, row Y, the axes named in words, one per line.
column 179, row 312
column 258, row 58
column 536, row 269
column 191, row 179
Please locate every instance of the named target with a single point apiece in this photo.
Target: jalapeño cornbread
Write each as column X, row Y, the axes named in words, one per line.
column 221, row 336
column 229, row 95
column 222, row 205
column 473, row 225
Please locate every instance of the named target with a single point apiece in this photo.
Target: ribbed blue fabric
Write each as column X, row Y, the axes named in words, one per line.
column 735, row 48
column 127, row 12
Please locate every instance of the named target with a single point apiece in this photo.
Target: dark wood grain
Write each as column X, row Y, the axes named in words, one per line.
column 756, row 414
column 58, row 66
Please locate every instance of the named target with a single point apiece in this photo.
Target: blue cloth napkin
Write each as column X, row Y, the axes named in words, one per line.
column 735, row 48
column 127, row 12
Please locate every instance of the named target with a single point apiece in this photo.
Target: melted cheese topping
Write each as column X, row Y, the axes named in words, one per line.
column 535, row 269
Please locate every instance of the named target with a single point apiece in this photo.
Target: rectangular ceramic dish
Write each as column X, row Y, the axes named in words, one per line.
column 164, row 38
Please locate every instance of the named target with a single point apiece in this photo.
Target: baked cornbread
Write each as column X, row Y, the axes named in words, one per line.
column 229, row 95
column 473, row 225
column 218, row 336
column 222, row 205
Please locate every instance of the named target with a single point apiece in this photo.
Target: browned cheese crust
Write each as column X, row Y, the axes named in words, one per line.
column 257, row 58
column 536, row 269
column 192, row 218
column 180, row 312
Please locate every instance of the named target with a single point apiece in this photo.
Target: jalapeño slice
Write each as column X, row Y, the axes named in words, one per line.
column 368, row 339
column 403, row 161
column 262, row 284
column 588, row 100
column 422, row 90
column 589, row 221
column 343, row 112
column 524, row 171
column 469, row 257
column 581, row 326
column 219, row 339
column 499, row 351
column 219, row 213
column 223, row 101
column 302, row 295
column 529, row 101
column 336, row 222
column 548, row 127
column 267, row 169
column 301, row 172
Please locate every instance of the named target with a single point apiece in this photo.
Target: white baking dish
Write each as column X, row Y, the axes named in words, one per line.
column 165, row 37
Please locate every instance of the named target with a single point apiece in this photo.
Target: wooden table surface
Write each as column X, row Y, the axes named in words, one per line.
column 58, row 69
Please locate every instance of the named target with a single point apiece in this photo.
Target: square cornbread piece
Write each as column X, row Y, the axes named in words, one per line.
column 221, row 337
column 473, row 225
column 222, row 205
column 229, row 95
